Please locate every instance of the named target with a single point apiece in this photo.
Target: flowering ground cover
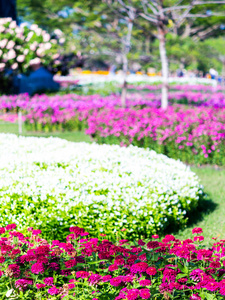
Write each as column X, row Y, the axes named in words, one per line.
column 88, row 268
column 194, row 134
column 179, row 87
column 51, row 183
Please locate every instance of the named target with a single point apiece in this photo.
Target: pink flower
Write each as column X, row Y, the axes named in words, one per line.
column 199, row 238
column 115, row 281
column 151, row 271
column 53, row 290
column 37, row 268
column 11, row 54
column 70, row 263
column 10, row 226
column 145, row 294
column 106, row 278
column 155, row 236
column 222, row 291
column 133, row 294
column 195, row 297
column 20, row 58
column 36, row 231
column 23, row 283
column 2, row 230
column 145, row 282
column 197, row 230
column 141, row 243
column 113, row 268
column 40, row 285
column 48, row 281
column 82, row 274
column 153, row 244
column 139, row 267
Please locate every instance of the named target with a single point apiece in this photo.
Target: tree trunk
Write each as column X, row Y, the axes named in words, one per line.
column 124, row 86
column 165, row 66
column 125, row 62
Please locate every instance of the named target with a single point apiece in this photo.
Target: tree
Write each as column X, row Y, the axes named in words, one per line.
column 165, row 15
column 128, row 14
column 162, row 13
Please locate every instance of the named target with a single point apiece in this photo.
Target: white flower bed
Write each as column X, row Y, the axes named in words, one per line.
column 51, row 183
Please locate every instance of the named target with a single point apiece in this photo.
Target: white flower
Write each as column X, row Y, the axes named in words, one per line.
column 46, row 37
column 21, row 58
column 35, row 61
column 3, row 43
column 14, row 66
column 65, row 174
column 34, row 27
column 12, row 24
column 11, row 54
column 29, row 36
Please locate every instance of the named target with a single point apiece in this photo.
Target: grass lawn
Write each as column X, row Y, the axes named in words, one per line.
column 78, row 136
column 210, row 214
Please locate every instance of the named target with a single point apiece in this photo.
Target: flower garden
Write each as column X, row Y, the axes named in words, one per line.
column 91, row 220
column 100, row 187
column 95, row 268
column 112, row 150
column 191, row 129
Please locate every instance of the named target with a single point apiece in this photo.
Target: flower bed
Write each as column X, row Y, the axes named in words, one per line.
column 194, row 135
column 51, row 183
column 96, row 269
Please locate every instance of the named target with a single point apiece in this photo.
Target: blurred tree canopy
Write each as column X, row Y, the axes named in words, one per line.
column 95, row 31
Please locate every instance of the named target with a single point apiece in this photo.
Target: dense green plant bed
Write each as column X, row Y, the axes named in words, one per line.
column 51, row 183
column 84, row 268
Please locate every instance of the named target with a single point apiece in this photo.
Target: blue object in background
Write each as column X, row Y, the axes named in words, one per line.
column 38, row 81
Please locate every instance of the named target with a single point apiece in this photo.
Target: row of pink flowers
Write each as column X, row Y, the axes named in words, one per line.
column 189, row 134
column 182, row 87
column 193, row 134
column 92, row 268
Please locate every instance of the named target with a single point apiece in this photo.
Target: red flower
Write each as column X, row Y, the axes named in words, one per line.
column 70, row 263
column 145, row 294
column 115, row 281
column 155, row 236
column 53, row 290
column 151, row 271
column 10, row 226
column 197, row 230
column 199, row 238
column 82, row 274
column 113, row 268
column 36, row 232
column 153, row 245
column 141, row 243
column 40, row 285
column 145, row 282
column 2, row 230
column 48, row 281
column 37, row 268
column 139, row 267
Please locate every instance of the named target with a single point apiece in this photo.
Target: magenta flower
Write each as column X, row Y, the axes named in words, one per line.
column 37, row 268
column 48, row 281
column 53, row 291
